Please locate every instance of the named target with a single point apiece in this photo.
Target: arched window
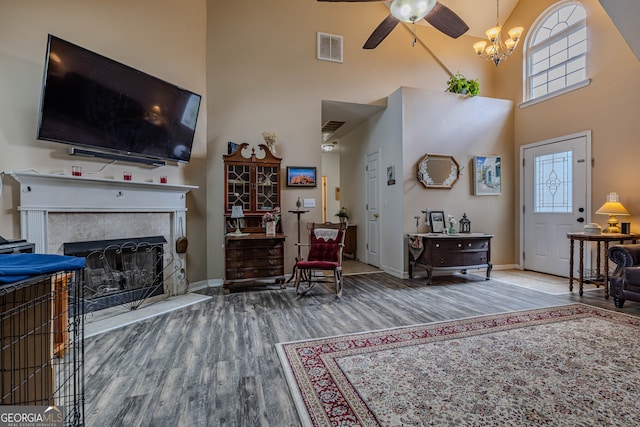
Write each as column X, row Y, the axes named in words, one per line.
column 556, row 50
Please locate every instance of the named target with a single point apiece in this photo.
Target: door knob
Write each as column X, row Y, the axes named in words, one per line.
column 580, row 219
column 375, row 216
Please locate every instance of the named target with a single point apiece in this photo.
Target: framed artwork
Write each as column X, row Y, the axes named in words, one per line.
column 436, row 221
column 391, row 175
column 231, row 147
column 301, row 176
column 487, row 175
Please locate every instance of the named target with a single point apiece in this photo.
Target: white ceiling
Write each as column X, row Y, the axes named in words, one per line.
column 480, row 15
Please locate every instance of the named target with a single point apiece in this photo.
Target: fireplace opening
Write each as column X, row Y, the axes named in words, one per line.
column 120, row 271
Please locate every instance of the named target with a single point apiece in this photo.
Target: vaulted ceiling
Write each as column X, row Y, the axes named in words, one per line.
column 480, row 15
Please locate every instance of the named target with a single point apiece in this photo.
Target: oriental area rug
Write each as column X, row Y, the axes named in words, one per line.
column 571, row 365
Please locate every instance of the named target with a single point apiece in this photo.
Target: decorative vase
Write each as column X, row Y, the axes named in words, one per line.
column 271, row 228
column 452, row 229
column 343, row 218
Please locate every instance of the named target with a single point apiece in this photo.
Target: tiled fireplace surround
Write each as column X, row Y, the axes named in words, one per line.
column 57, row 209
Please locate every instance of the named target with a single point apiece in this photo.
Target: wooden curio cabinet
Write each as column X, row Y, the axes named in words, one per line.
column 252, row 183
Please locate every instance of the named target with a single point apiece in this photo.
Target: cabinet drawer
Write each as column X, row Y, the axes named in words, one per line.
column 254, row 244
column 460, row 244
column 475, row 258
column 447, row 259
column 254, row 273
column 253, row 253
column 476, row 244
column 459, row 259
column 233, row 264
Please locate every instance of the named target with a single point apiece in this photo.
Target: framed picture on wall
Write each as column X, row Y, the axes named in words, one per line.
column 301, row 176
column 487, row 175
column 232, row 147
column 436, row 221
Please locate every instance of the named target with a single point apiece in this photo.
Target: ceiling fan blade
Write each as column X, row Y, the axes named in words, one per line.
column 350, row 1
column 381, row 32
column 445, row 20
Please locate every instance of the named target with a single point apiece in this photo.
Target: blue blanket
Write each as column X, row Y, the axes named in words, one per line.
column 16, row 267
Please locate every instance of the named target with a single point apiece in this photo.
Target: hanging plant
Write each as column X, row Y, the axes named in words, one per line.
column 459, row 84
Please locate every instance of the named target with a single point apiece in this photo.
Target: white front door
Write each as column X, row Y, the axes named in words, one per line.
column 555, row 185
column 373, row 209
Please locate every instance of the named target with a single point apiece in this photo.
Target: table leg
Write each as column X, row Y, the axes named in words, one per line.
column 606, row 270
column 571, row 246
column 598, row 261
column 581, row 267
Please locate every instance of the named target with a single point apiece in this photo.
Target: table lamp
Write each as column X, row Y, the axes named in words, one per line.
column 612, row 208
column 237, row 214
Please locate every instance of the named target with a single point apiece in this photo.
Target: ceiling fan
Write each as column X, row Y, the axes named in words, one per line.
column 434, row 12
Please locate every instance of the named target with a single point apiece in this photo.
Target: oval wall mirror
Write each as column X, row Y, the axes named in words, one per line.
column 438, row 171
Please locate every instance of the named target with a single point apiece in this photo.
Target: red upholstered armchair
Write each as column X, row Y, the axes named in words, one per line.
column 326, row 242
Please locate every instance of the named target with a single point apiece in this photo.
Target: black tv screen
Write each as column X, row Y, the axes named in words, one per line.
column 92, row 101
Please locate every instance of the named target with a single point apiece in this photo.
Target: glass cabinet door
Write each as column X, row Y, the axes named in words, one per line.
column 239, row 187
column 267, row 185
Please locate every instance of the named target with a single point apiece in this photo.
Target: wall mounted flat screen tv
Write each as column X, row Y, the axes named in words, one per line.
column 92, row 101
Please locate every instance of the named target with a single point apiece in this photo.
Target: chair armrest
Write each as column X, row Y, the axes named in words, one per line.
column 632, row 275
column 624, row 256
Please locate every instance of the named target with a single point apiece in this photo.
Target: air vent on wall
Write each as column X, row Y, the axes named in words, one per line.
column 329, row 47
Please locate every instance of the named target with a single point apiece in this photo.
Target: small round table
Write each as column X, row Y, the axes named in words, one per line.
column 598, row 238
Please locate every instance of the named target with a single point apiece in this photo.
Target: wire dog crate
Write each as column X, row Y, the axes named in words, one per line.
column 42, row 343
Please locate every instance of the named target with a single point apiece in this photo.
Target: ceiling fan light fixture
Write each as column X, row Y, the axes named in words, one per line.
column 411, row 10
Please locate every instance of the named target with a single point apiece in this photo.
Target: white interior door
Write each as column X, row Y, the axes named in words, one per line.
column 555, row 177
column 373, row 209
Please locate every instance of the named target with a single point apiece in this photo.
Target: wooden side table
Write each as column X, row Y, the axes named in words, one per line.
column 598, row 238
column 351, row 241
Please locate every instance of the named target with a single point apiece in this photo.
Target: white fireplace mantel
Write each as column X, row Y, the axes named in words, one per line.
column 42, row 194
column 64, row 193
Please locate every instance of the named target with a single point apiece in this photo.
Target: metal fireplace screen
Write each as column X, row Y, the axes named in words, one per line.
column 121, row 272
column 42, row 345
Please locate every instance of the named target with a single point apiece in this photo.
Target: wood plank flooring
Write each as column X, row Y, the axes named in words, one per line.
column 215, row 363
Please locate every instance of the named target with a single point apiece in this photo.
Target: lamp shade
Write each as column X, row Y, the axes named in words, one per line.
column 516, row 32
column 236, row 212
column 612, row 208
column 493, row 33
column 479, row 47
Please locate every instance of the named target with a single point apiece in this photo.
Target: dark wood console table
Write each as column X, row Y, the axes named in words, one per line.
column 605, row 238
column 435, row 251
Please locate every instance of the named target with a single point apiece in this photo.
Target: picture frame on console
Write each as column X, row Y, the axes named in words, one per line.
column 436, row 221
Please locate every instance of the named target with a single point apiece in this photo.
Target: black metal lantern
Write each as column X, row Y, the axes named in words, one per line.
column 465, row 224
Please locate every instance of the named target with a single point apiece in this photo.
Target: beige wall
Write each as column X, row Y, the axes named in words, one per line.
column 263, row 75
column 256, row 64
column 445, row 123
column 161, row 37
column 608, row 107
